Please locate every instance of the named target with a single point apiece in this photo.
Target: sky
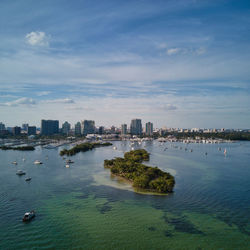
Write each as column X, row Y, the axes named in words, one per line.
column 176, row 63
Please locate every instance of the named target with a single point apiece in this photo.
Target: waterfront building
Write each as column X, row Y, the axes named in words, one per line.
column 149, row 128
column 31, row 130
column 88, row 127
column 78, row 128
column 136, row 127
column 101, row 130
column 16, row 130
column 49, row 127
column 124, row 129
column 66, row 128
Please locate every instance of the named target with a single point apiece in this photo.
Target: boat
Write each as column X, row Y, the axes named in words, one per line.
column 69, row 161
column 225, row 151
column 20, row 172
column 23, row 159
column 14, row 162
column 114, row 148
column 67, row 166
column 28, row 216
column 28, row 179
column 37, row 162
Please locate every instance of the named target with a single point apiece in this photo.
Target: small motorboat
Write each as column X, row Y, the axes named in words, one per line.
column 67, row 166
column 114, row 148
column 37, row 162
column 28, row 216
column 20, row 172
column 28, row 179
column 14, row 162
column 69, row 161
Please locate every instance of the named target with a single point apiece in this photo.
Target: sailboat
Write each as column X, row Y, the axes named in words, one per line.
column 225, row 152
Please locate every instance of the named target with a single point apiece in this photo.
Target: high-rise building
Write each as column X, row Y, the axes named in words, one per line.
column 66, row 128
column 112, row 130
column 31, row 130
column 2, row 126
column 78, row 128
column 101, row 130
column 16, row 130
column 25, row 127
column 49, row 127
column 149, row 128
column 124, row 129
column 136, row 127
column 88, row 127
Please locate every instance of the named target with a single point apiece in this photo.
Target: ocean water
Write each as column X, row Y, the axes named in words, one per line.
column 83, row 207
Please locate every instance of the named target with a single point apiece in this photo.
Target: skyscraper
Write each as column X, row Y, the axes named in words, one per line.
column 149, row 128
column 136, row 127
column 78, row 128
column 25, row 127
column 88, row 127
column 124, row 129
column 49, row 127
column 2, row 126
column 31, row 130
column 101, row 130
column 16, row 130
column 66, row 128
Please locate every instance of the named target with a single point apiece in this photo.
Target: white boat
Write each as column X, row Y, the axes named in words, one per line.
column 37, row 162
column 20, row 172
column 114, row 148
column 14, row 162
column 225, row 151
column 67, row 166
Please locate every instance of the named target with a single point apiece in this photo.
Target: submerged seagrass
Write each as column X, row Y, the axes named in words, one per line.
column 83, row 148
column 148, row 178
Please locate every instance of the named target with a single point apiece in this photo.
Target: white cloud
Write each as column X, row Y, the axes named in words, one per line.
column 65, row 100
column 20, row 101
column 173, row 51
column 169, row 107
column 37, row 38
column 42, row 93
column 200, row 51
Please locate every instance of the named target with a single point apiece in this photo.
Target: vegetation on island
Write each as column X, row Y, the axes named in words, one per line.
column 23, row 148
column 233, row 136
column 144, row 177
column 83, row 148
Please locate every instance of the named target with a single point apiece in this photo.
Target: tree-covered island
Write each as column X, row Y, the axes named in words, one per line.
column 23, row 148
column 143, row 177
column 83, row 147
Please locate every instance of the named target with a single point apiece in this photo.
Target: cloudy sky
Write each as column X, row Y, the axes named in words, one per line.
column 177, row 63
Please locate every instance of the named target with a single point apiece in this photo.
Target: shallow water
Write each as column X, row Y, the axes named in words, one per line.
column 83, row 207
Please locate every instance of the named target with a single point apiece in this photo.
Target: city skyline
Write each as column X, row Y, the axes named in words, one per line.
column 180, row 64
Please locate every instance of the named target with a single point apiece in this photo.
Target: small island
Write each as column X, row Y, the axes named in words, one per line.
column 143, row 177
column 23, row 148
column 83, row 147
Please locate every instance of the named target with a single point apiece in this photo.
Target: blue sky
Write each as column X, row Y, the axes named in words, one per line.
column 176, row 63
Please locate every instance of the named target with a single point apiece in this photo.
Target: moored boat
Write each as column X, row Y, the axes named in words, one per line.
column 28, row 179
column 20, row 172
column 37, row 162
column 28, row 216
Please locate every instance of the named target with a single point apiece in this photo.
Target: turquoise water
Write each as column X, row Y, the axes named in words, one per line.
column 83, row 207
